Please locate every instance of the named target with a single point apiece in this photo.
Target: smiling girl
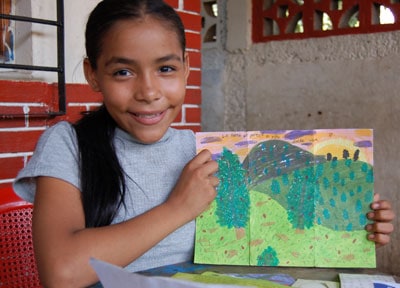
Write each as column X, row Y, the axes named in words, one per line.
column 121, row 185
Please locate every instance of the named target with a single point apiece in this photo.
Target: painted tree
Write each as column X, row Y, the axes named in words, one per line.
column 233, row 200
column 268, row 257
column 300, row 199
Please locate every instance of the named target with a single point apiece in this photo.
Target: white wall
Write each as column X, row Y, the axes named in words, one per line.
column 36, row 44
column 76, row 14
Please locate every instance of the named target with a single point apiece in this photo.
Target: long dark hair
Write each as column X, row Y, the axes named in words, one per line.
column 102, row 178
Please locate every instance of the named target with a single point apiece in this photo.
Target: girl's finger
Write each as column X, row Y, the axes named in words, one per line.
column 214, row 181
column 379, row 227
column 381, row 215
column 381, row 205
column 379, row 239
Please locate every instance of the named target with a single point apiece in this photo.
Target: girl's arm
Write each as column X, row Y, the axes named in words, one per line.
column 63, row 246
column 382, row 215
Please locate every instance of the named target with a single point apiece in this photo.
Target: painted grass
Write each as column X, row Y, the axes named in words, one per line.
column 269, row 227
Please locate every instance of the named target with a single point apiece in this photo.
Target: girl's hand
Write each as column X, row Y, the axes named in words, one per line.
column 196, row 187
column 382, row 215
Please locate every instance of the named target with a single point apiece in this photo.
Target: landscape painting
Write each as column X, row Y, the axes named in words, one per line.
column 289, row 198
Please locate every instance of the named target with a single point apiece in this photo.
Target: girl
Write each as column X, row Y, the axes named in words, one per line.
column 121, row 185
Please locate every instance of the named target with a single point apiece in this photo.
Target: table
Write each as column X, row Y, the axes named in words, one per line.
column 328, row 274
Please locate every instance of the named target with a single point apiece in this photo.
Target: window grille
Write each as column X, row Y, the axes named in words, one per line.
column 296, row 19
column 209, row 13
column 59, row 69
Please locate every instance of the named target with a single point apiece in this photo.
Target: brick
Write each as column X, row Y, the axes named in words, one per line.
column 18, row 141
column 193, row 96
column 13, row 165
column 195, row 59
column 20, row 122
column 193, row 115
column 193, row 40
column 12, row 122
column 191, row 21
column 4, row 185
column 192, row 5
column 76, row 112
column 194, row 78
column 81, row 93
column 194, row 128
column 26, row 92
column 36, row 122
column 10, row 110
column 173, row 3
column 178, row 118
column 18, row 110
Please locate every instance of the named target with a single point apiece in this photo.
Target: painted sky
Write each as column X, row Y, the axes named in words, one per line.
column 318, row 142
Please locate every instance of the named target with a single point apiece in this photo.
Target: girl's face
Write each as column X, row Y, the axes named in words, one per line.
column 142, row 73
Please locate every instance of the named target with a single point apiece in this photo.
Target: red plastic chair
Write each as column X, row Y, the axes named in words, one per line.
column 17, row 261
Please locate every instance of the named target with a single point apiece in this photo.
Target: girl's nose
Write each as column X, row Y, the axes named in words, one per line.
column 147, row 89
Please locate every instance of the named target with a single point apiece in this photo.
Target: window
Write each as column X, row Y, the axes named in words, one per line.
column 13, row 61
column 7, row 34
column 282, row 19
column 209, row 13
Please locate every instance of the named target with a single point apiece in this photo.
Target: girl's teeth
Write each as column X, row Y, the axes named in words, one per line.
column 147, row 116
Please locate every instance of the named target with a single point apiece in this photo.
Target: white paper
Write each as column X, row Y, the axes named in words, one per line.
column 381, row 284
column 362, row 281
column 306, row 283
column 112, row 276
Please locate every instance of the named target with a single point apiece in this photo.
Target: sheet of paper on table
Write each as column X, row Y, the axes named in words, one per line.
column 217, row 278
column 112, row 276
column 365, row 281
column 380, row 284
column 306, row 283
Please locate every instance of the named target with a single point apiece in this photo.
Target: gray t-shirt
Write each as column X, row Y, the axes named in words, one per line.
column 152, row 169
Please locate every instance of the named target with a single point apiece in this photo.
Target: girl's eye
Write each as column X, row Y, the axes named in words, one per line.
column 123, row 73
column 166, row 69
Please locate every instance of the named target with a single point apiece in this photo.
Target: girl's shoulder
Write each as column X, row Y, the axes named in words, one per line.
column 60, row 127
column 186, row 133
column 184, row 141
column 61, row 132
column 183, row 135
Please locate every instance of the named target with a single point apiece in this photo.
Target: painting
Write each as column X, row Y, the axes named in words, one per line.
column 7, row 33
column 289, row 198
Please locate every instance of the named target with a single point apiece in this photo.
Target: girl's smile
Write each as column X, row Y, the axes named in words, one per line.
column 142, row 73
column 149, row 118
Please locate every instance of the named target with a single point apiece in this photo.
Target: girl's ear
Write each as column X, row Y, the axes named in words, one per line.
column 187, row 66
column 90, row 75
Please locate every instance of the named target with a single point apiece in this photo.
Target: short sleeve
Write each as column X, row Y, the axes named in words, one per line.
column 56, row 155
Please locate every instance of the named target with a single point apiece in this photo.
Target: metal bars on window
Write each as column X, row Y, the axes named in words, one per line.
column 59, row 69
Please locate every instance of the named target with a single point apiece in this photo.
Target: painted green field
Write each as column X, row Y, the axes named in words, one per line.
column 270, row 241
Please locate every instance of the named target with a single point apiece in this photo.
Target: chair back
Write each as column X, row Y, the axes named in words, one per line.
column 17, row 260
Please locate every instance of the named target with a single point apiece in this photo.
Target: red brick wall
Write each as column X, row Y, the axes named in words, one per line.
column 18, row 135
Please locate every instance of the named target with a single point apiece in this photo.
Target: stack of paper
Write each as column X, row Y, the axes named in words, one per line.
column 367, row 281
column 112, row 276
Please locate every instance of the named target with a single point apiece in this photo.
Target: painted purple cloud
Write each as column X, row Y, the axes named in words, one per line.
column 210, row 140
column 272, row 131
column 245, row 143
column 298, row 133
column 363, row 144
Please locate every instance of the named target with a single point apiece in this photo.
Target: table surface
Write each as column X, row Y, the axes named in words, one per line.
column 328, row 274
